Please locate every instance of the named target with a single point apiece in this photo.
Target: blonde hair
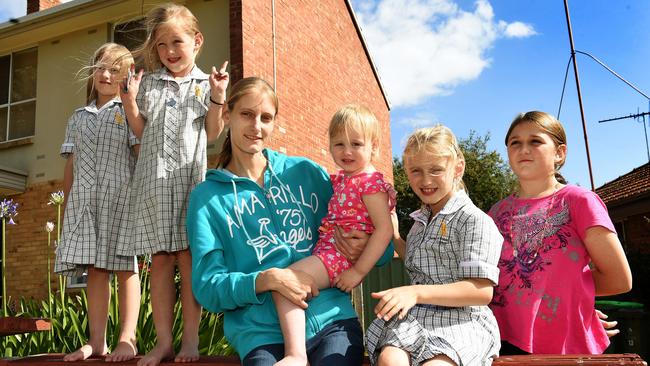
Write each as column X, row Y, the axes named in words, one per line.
column 244, row 87
column 548, row 125
column 355, row 117
column 164, row 15
column 121, row 57
column 436, row 141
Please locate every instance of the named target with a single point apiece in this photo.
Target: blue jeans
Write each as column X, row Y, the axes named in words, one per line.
column 340, row 344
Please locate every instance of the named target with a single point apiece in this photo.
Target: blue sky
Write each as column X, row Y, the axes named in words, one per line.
column 473, row 65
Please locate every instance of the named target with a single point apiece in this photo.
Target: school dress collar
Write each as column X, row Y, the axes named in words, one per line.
column 455, row 203
column 163, row 74
column 92, row 106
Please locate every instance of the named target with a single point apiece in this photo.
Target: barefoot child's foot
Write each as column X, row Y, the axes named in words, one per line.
column 158, row 354
column 124, row 351
column 84, row 352
column 189, row 352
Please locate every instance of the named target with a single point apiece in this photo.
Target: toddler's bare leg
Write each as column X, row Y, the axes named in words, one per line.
column 292, row 317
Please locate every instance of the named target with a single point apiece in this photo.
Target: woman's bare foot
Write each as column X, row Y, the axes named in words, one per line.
column 84, row 352
column 158, row 354
column 124, row 351
column 189, row 352
column 293, row 360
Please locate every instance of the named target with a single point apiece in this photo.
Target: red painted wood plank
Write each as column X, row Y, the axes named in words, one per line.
column 17, row 325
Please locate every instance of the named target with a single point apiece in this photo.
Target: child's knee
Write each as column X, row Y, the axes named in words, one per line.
column 393, row 356
column 163, row 259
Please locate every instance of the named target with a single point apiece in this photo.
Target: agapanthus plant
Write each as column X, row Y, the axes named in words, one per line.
column 57, row 198
column 8, row 210
column 49, row 227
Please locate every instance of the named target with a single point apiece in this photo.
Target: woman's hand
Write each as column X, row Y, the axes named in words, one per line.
column 609, row 326
column 398, row 300
column 351, row 243
column 348, row 279
column 219, row 83
column 297, row 286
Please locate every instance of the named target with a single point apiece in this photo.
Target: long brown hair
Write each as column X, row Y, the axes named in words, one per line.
column 244, row 87
column 157, row 17
column 548, row 125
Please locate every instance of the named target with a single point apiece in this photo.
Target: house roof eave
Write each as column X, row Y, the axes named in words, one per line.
column 367, row 51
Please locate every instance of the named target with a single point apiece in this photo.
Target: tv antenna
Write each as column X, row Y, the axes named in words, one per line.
column 637, row 116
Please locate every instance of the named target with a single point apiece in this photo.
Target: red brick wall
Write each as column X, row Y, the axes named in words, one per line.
column 27, row 243
column 38, row 5
column 320, row 65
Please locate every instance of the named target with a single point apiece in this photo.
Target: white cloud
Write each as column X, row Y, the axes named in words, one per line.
column 419, row 121
column 425, row 48
column 516, row 29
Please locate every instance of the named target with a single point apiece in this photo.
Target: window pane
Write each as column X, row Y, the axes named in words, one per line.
column 23, row 76
column 3, row 124
column 131, row 35
column 4, row 79
column 22, row 120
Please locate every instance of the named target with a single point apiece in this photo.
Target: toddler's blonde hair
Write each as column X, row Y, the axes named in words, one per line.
column 355, row 117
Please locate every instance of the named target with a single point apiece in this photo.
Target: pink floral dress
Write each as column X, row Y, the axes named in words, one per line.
column 346, row 209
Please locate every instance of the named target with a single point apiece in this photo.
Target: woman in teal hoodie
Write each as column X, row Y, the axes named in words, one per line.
column 256, row 214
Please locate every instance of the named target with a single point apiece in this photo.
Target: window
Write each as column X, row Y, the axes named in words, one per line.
column 131, row 35
column 78, row 281
column 18, row 94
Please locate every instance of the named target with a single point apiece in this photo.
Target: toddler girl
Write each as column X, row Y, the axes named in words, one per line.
column 362, row 200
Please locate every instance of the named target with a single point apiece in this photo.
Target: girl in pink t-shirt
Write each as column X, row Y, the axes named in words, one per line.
column 560, row 249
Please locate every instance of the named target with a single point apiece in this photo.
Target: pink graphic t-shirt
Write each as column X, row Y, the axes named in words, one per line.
column 544, row 302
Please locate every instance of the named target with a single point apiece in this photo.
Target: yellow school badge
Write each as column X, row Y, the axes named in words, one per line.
column 197, row 91
column 443, row 229
column 119, row 119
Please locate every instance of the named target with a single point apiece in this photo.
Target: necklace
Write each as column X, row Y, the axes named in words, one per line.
column 531, row 230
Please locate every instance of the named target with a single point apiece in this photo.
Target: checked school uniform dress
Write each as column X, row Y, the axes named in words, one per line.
column 459, row 242
column 347, row 210
column 100, row 142
column 172, row 159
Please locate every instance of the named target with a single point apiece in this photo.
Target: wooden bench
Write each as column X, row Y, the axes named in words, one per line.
column 533, row 360
column 16, row 325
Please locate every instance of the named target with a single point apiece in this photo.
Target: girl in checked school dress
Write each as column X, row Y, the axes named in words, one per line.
column 99, row 147
column 451, row 255
column 176, row 110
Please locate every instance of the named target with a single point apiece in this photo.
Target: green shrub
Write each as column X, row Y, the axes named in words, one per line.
column 70, row 325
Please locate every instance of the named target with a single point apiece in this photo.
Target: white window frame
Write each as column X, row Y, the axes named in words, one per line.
column 77, row 282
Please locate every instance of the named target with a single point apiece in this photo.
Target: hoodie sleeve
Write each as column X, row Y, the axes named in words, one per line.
column 214, row 287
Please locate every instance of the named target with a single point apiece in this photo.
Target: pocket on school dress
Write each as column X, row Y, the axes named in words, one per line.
column 196, row 113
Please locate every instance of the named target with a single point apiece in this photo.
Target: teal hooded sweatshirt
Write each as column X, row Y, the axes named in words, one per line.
column 237, row 229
